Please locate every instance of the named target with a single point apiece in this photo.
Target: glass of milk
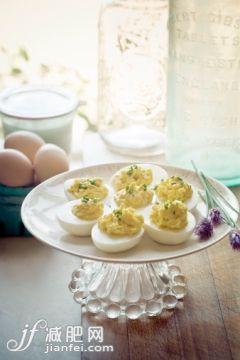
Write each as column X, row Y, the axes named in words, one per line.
column 46, row 111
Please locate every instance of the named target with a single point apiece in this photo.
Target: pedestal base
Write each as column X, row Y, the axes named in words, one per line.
column 129, row 290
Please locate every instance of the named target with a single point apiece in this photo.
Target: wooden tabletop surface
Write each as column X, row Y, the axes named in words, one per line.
column 205, row 325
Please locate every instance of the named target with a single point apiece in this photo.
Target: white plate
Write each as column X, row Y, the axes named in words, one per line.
column 39, row 217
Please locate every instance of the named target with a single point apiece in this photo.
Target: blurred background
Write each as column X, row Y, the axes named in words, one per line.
column 51, row 42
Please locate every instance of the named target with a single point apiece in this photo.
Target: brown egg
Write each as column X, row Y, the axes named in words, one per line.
column 25, row 141
column 15, row 168
column 50, row 160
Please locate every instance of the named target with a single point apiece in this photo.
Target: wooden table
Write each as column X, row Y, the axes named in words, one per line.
column 205, row 325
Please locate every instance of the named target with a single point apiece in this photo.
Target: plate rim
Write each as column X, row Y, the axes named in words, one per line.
column 207, row 244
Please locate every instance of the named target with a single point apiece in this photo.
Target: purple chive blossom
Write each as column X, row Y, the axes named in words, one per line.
column 215, row 217
column 204, row 229
column 234, row 238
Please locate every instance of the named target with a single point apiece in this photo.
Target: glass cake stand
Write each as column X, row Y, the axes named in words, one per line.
column 131, row 290
column 132, row 283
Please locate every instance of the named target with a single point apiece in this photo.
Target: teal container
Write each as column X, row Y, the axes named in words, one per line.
column 11, row 199
column 203, row 107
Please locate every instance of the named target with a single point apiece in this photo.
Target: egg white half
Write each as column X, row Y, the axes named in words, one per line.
column 114, row 244
column 193, row 201
column 71, row 223
column 157, row 171
column 167, row 236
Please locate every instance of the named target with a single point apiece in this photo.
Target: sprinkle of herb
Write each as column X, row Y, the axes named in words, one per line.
column 93, row 182
column 85, row 199
column 166, row 205
column 144, row 187
column 83, row 186
column 23, row 54
column 129, row 189
column 118, row 213
column 155, row 187
column 131, row 169
column 16, row 71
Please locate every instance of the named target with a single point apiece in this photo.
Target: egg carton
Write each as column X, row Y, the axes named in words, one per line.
column 11, row 199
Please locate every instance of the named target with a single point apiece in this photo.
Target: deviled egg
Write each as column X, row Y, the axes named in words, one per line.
column 118, row 231
column 175, row 188
column 133, row 195
column 169, row 223
column 141, row 174
column 77, row 217
column 93, row 187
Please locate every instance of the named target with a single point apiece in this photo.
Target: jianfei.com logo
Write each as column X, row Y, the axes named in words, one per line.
column 70, row 335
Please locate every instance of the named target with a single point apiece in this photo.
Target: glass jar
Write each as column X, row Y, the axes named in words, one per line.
column 132, row 75
column 203, row 110
column 49, row 112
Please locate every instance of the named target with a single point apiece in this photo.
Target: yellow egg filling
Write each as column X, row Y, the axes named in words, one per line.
column 133, row 173
column 91, row 187
column 170, row 215
column 122, row 221
column 134, row 195
column 174, row 188
column 88, row 209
